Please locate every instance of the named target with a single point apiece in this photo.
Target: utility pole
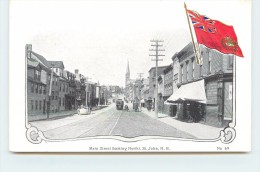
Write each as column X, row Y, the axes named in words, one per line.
column 156, row 55
column 50, row 93
column 140, row 75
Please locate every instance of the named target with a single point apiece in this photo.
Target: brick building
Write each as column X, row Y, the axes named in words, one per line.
column 152, row 82
column 175, row 72
column 161, row 91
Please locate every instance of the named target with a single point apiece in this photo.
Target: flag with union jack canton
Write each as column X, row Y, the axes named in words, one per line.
column 202, row 22
column 214, row 34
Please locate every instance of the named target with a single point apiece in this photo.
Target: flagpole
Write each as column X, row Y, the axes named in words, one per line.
column 193, row 43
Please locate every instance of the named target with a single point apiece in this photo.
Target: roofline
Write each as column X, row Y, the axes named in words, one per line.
column 158, row 67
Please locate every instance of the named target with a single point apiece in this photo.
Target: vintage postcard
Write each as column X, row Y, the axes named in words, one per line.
column 149, row 76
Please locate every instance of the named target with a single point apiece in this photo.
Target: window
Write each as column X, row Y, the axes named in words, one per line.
column 209, row 64
column 193, row 67
column 56, row 70
column 36, row 88
column 32, row 87
column 52, row 94
column 44, row 89
column 36, row 105
column 40, row 89
column 181, row 78
column 59, row 101
column 200, row 70
column 187, row 68
column 32, row 104
column 40, row 105
column 37, row 75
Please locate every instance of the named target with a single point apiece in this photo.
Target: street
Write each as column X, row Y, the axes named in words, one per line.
column 107, row 122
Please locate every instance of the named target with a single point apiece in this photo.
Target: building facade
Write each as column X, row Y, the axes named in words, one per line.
column 152, row 83
column 175, row 72
column 217, row 72
column 36, row 88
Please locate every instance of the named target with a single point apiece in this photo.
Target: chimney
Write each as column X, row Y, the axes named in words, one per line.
column 76, row 71
column 28, row 50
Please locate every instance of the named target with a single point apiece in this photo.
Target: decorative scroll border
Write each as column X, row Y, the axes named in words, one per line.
column 226, row 136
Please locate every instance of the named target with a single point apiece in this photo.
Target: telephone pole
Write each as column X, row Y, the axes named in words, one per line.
column 140, row 75
column 156, row 55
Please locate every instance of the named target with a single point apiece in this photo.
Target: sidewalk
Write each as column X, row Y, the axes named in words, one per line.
column 198, row 130
column 45, row 125
column 58, row 115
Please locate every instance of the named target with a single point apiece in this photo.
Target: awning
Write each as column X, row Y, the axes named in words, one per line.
column 169, row 103
column 194, row 91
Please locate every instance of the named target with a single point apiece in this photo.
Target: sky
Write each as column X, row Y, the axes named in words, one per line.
column 99, row 37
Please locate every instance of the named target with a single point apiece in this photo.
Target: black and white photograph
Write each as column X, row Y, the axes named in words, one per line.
column 165, row 76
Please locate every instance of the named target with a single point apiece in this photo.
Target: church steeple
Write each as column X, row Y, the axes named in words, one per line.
column 127, row 68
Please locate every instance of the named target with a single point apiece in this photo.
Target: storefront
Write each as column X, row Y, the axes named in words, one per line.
column 190, row 101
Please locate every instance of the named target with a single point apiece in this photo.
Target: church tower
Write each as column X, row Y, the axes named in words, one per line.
column 127, row 75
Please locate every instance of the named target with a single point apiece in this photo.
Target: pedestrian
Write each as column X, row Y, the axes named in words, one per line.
column 90, row 108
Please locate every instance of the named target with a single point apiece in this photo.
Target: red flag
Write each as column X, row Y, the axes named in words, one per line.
column 214, row 34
